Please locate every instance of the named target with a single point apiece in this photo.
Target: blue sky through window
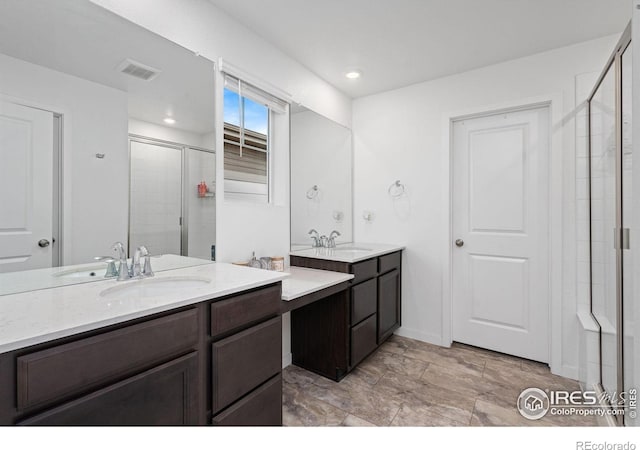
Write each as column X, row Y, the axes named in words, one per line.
column 256, row 116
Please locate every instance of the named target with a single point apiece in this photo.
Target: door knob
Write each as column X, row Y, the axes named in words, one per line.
column 459, row 242
column 43, row 243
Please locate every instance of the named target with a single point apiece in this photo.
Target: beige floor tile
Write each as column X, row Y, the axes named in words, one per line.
column 409, row 367
column 352, row 397
column 299, row 409
column 355, row 421
column 448, row 403
column 397, row 344
column 417, row 414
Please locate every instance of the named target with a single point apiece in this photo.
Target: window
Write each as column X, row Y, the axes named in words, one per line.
column 247, row 142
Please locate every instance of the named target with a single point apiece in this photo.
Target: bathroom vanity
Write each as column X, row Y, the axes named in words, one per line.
column 330, row 337
column 127, row 353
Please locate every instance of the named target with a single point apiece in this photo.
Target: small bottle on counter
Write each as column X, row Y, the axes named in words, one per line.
column 277, row 263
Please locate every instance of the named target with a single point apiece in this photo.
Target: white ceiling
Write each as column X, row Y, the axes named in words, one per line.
column 84, row 40
column 400, row 42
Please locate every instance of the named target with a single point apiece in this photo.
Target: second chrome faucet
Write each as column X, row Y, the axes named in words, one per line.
column 324, row 241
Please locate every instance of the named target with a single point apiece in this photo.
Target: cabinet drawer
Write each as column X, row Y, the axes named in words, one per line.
column 363, row 339
column 245, row 309
column 389, row 262
column 56, row 372
column 164, row 395
column 245, row 360
column 263, row 407
column 364, row 270
column 363, row 300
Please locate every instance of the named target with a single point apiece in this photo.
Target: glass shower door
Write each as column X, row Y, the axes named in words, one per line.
column 155, row 205
column 629, row 349
column 602, row 129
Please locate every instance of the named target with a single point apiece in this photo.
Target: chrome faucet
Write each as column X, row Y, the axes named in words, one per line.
column 324, row 241
column 123, row 268
column 316, row 237
column 332, row 239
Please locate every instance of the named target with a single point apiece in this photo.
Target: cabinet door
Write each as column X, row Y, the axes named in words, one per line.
column 388, row 304
column 165, row 395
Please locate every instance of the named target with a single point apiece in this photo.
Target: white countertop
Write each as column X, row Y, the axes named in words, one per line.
column 307, row 281
column 52, row 277
column 349, row 253
column 34, row 317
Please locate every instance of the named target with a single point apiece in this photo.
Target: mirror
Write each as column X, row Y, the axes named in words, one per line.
column 106, row 134
column 321, row 178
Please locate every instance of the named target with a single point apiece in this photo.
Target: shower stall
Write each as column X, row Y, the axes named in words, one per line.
column 610, row 222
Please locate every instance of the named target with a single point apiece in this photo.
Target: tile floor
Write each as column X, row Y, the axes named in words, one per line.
column 411, row 383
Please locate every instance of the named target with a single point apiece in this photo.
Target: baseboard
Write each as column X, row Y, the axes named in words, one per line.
column 287, row 359
column 429, row 338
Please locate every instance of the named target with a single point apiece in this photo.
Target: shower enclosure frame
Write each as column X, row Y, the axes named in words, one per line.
column 620, row 234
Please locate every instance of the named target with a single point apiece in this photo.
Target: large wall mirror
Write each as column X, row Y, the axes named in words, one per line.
column 106, row 134
column 321, row 178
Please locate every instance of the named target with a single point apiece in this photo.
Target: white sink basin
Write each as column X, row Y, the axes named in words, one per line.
column 153, row 287
column 85, row 272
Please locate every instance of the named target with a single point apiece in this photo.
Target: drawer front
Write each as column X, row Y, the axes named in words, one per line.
column 245, row 309
column 389, row 262
column 363, row 340
column 263, row 407
column 364, row 270
column 56, row 372
column 363, row 300
column 244, row 361
column 165, row 395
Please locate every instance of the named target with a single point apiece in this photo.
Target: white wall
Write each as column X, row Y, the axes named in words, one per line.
column 95, row 190
column 320, row 155
column 400, row 135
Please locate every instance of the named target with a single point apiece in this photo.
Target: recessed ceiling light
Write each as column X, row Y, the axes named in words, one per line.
column 169, row 120
column 353, row 74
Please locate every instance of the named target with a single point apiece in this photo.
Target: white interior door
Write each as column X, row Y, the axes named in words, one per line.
column 500, row 224
column 155, row 216
column 26, row 188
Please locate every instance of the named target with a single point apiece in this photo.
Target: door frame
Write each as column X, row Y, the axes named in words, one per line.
column 556, row 132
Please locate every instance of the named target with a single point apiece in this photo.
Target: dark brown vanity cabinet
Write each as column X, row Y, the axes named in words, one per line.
column 333, row 335
column 216, row 362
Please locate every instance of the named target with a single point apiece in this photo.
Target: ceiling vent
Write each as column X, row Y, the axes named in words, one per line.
column 138, row 70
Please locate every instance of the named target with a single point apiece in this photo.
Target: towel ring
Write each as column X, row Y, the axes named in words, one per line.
column 312, row 192
column 396, row 189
